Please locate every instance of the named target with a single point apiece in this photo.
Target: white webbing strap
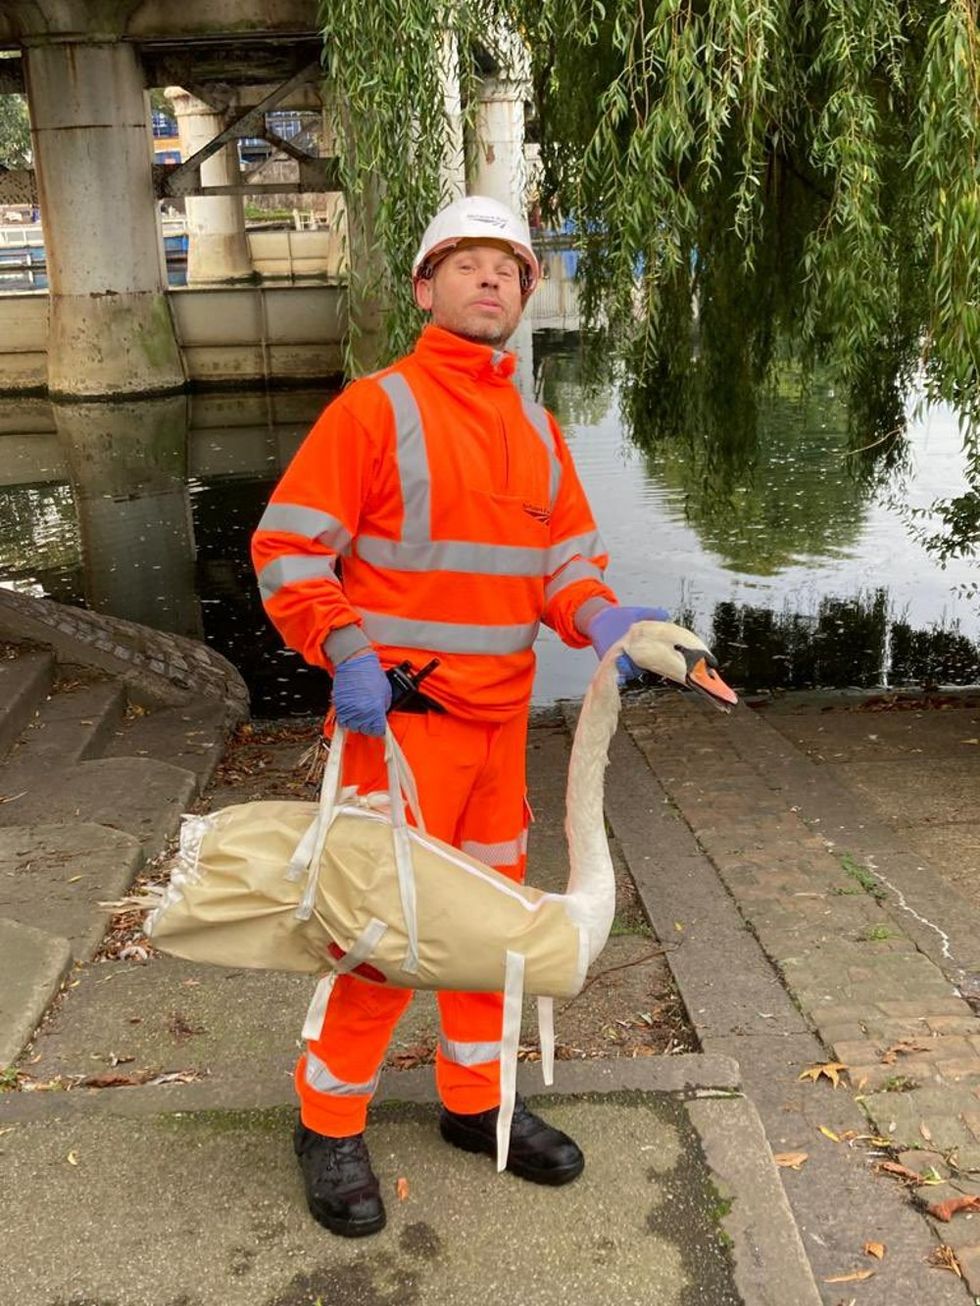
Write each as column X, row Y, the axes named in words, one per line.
column 306, row 857
column 546, row 1038
column 362, row 947
column 403, row 851
column 406, row 780
column 316, row 1012
column 509, row 1040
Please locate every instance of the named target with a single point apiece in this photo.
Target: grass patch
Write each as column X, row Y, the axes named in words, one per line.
column 863, row 876
column 875, row 933
column 899, row 1084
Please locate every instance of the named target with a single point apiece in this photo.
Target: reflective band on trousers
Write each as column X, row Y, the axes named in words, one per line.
column 468, row 1054
column 310, row 523
column 289, row 568
column 446, row 636
column 504, row 853
column 323, row 1080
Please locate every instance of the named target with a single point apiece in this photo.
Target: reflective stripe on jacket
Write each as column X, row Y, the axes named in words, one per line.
column 439, row 511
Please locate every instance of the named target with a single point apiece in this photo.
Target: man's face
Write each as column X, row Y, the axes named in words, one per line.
column 475, row 292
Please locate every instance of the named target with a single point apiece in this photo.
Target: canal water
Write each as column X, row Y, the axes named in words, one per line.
column 797, row 573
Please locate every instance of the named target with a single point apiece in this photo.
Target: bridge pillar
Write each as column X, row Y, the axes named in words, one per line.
column 498, row 169
column 110, row 328
column 217, row 247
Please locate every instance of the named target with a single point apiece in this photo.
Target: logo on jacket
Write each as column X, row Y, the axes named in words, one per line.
column 539, row 514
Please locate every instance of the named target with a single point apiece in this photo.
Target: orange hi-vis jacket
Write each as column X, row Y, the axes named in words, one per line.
column 432, row 512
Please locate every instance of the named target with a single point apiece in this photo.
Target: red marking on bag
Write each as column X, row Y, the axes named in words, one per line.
column 364, row 971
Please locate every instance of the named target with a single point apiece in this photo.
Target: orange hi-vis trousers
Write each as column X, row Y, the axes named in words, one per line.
column 471, row 783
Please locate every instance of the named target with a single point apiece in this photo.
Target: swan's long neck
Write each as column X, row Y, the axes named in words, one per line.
column 591, row 895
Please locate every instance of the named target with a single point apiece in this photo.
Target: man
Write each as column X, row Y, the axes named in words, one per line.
column 432, row 513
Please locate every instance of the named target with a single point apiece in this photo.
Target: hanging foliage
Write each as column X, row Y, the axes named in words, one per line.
column 751, row 181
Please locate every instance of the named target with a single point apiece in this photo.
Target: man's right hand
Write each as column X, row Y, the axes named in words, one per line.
column 361, row 693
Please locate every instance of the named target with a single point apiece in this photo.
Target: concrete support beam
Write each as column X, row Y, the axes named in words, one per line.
column 111, row 330
column 453, row 173
column 498, row 168
column 217, row 250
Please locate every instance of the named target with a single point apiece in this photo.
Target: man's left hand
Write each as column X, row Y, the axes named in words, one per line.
column 611, row 624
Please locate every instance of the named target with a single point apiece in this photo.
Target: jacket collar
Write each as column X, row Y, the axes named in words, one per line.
column 439, row 350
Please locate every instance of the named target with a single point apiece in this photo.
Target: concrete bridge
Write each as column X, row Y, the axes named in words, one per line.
column 111, row 328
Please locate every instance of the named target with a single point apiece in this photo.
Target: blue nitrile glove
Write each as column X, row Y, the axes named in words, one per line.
column 361, row 693
column 611, row 624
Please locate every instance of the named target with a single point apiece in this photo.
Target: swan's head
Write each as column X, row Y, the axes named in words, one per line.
column 673, row 652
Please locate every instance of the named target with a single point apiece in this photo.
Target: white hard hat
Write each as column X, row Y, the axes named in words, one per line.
column 471, row 218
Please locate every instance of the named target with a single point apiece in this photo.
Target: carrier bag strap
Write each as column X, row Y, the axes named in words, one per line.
column 509, row 1040
column 316, row 1012
column 546, row 1038
column 309, row 850
column 406, row 780
column 403, row 853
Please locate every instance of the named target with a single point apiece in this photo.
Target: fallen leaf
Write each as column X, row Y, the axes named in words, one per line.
column 72, row 1158
column 925, row 1131
column 678, row 926
column 900, row 1171
column 905, row 1047
column 970, row 741
column 792, row 1160
column 877, row 1250
column 829, row 1133
column 401, row 1189
column 946, row 1210
column 114, row 1079
column 831, row 1069
column 944, row 1258
column 856, row 1277
column 7, row 1129
column 75, row 878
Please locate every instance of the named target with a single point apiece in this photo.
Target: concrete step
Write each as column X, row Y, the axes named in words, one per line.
column 54, row 877
column 25, row 680
column 191, row 737
column 70, row 726
column 138, row 795
column 32, row 965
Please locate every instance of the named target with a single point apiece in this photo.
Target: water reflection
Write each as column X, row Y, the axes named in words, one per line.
column 127, row 465
column 794, row 571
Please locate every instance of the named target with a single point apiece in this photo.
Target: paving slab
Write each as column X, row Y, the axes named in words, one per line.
column 24, row 681
column 54, row 877
column 207, row 1208
column 32, row 965
column 139, row 795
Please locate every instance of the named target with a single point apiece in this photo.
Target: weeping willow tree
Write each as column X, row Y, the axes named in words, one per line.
column 752, row 183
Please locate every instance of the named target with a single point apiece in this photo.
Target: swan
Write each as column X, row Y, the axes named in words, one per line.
column 667, row 650
column 359, row 890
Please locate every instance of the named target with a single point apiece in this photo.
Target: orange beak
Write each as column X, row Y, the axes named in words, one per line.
column 705, row 680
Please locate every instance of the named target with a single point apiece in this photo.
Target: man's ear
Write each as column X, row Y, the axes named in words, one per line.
column 423, row 293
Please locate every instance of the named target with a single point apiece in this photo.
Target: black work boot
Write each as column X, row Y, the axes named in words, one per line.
column 537, row 1151
column 342, row 1190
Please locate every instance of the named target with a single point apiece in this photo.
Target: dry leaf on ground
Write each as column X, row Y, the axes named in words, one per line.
column 791, row 1160
column 877, row 1250
column 944, row 1258
column 401, row 1188
column 905, row 1047
column 900, row 1171
column 946, row 1210
column 72, row 1158
column 857, row 1276
column 829, row 1069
